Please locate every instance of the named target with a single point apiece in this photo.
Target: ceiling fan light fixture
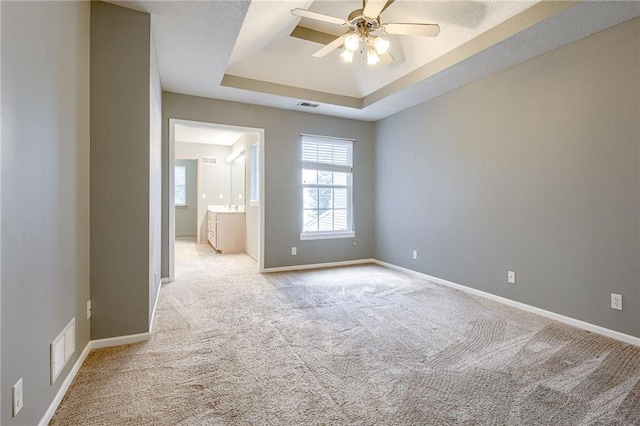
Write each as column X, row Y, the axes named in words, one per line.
column 372, row 57
column 352, row 42
column 347, row 55
column 381, row 45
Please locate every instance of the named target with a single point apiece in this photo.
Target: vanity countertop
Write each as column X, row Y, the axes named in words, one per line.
column 225, row 208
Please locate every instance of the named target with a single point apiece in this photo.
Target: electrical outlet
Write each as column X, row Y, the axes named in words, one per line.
column 18, row 396
column 294, row 251
column 511, row 277
column 415, row 254
column 616, row 301
column 221, row 196
column 204, row 196
column 88, row 309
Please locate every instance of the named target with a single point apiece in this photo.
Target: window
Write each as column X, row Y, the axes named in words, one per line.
column 326, row 188
column 181, row 186
column 253, row 175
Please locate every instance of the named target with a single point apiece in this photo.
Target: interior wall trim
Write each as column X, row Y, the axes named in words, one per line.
column 626, row 338
column 97, row 344
column 91, row 345
column 319, row 265
column 230, row 80
column 142, row 337
column 65, row 386
column 155, row 306
column 120, row 340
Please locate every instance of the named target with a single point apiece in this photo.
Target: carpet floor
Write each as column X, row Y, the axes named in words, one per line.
column 360, row 345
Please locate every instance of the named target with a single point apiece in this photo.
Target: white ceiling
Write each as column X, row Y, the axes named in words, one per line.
column 195, row 132
column 241, row 51
column 264, row 50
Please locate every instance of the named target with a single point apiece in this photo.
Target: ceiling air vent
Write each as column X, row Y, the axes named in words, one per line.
column 209, row 160
column 308, row 105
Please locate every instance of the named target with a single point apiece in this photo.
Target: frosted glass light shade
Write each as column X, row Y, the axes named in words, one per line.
column 352, row 42
column 372, row 57
column 347, row 55
column 381, row 45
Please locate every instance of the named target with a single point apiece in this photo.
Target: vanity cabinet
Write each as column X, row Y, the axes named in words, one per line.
column 225, row 231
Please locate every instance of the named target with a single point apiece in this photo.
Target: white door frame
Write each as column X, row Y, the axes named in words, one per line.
column 171, row 179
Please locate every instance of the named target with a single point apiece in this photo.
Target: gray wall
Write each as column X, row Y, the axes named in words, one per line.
column 283, row 198
column 534, row 169
column 120, row 171
column 45, row 194
column 186, row 217
column 215, row 179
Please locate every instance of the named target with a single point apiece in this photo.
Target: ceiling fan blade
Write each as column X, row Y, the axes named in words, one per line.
column 329, row 47
column 310, row 34
column 318, row 16
column 425, row 30
column 389, row 3
column 373, row 8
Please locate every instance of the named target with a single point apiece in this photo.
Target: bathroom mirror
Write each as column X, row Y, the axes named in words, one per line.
column 237, row 181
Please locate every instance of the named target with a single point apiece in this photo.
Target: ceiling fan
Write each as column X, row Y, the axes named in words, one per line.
column 365, row 31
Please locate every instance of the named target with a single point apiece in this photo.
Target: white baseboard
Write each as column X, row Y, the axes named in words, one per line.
column 93, row 344
column 153, row 312
column 65, row 386
column 319, row 265
column 542, row 312
column 251, row 256
column 141, row 337
column 97, row 344
column 120, row 340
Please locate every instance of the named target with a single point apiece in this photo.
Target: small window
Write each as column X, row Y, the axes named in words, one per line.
column 326, row 188
column 254, row 169
column 181, row 186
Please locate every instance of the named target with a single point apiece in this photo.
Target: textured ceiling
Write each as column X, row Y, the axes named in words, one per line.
column 193, row 40
column 241, row 51
column 266, row 52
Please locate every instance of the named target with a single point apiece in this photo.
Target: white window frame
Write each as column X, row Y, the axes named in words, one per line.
column 185, row 187
column 324, row 166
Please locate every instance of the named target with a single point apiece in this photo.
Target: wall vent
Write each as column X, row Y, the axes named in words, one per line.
column 209, row 160
column 62, row 348
column 308, row 105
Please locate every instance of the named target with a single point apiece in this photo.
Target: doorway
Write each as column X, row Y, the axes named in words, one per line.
column 186, row 198
column 229, row 164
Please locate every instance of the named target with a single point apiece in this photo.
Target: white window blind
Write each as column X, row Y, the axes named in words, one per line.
column 327, row 168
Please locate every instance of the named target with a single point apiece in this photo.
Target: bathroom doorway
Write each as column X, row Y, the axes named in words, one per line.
column 229, row 171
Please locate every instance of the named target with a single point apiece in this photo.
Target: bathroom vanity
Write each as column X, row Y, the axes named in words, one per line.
column 226, row 228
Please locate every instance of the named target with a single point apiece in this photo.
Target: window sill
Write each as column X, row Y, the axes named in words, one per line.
column 181, row 206
column 326, row 235
column 254, row 203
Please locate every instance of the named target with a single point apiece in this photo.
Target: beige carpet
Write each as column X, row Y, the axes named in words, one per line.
column 361, row 345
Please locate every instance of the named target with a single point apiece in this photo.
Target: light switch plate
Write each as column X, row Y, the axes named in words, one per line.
column 616, row 301
column 18, row 397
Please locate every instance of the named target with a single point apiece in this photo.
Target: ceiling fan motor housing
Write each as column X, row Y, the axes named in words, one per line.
column 361, row 23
